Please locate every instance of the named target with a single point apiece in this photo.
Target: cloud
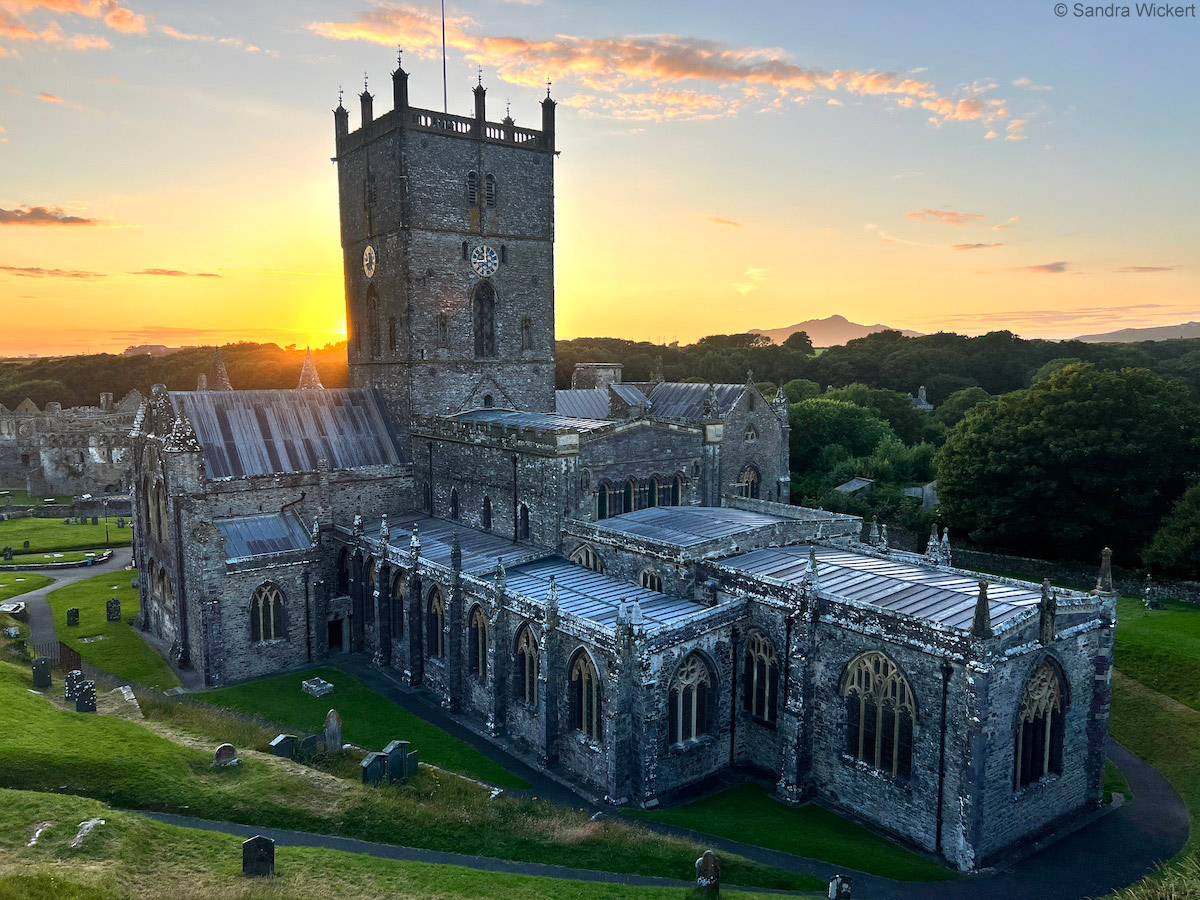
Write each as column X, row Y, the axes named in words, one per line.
column 1054, row 268
column 945, row 216
column 754, row 277
column 1026, row 84
column 717, row 220
column 973, row 246
column 14, row 30
column 655, row 63
column 49, row 98
column 1143, row 270
column 176, row 273
column 183, row 35
column 1016, row 130
column 115, row 16
column 1136, row 313
column 1007, row 223
column 41, row 215
column 28, row 272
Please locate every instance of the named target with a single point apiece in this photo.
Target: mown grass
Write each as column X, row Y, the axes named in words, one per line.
column 113, row 647
column 22, row 560
column 748, row 813
column 49, row 535
column 131, row 856
column 13, row 585
column 368, row 720
column 126, row 764
column 22, row 497
column 1160, row 648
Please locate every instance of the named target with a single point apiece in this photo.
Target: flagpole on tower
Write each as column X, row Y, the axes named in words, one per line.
column 445, row 100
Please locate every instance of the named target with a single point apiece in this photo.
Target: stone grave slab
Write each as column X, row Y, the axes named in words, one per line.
column 41, row 673
column 397, row 760
column 73, row 616
column 284, row 745
column 85, row 701
column 316, row 687
column 258, row 857
column 71, row 685
column 113, row 610
column 374, row 768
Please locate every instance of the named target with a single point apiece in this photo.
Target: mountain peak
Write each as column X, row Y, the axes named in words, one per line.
column 828, row 332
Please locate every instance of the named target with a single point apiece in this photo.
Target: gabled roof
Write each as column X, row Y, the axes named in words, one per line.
column 686, row 525
column 675, row 400
column 271, row 432
column 480, row 549
column 589, row 403
column 535, row 420
column 257, row 535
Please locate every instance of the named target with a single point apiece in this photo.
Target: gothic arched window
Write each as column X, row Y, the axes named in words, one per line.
column 751, row 434
column 523, row 523
column 369, row 594
column 435, row 622
column 585, row 697
column 343, row 574
column 529, row 666
column 1039, row 737
column 427, row 498
column 651, row 580
column 489, row 189
column 690, row 691
column 465, row 251
column 588, row 558
column 760, row 677
column 630, row 490
column 486, row 517
column 373, row 320
column 526, row 333
column 454, row 511
column 880, row 712
column 652, row 492
column 397, row 605
column 602, row 501
column 503, row 253
column 677, row 491
column 484, row 306
column 392, row 333
column 472, row 189
column 749, row 482
column 477, row 636
column 266, row 614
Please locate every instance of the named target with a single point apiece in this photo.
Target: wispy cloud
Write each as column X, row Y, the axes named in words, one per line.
column 42, row 215
column 1015, row 130
column 1143, row 270
column 973, row 246
column 1052, row 268
column 945, row 216
column 1007, row 223
column 753, row 278
column 13, row 29
column 115, row 16
column 176, row 273
column 717, row 220
column 1027, row 84
column 30, row 272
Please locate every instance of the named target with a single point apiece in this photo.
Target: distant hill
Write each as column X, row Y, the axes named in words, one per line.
column 830, row 332
column 1157, row 333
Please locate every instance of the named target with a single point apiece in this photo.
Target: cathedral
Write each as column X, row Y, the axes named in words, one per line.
column 610, row 581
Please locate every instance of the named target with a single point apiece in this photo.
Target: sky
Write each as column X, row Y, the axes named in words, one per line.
column 165, row 171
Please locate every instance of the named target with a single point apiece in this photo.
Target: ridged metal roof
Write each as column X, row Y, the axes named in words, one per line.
column 593, row 596
column 686, row 525
column 271, row 432
column 480, row 549
column 589, row 403
column 675, row 400
column 631, row 394
column 533, row 420
column 923, row 592
column 257, row 535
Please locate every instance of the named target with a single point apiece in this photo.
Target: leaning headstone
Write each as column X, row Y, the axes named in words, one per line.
column 73, row 616
column 374, row 768
column 85, row 701
column 839, row 887
column 412, row 762
column 284, row 745
column 333, row 732
column 397, row 760
column 113, row 609
column 316, row 687
column 225, row 755
column 41, row 672
column 307, row 748
column 71, row 685
column 708, row 874
column 258, row 857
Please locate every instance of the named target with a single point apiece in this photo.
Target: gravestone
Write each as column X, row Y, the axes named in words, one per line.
column 258, row 857
column 333, row 732
column 41, row 672
column 316, row 687
column 374, row 768
column 708, row 874
column 85, row 700
column 120, row 521
column 225, row 755
column 839, row 887
column 284, row 745
column 412, row 762
column 25, row 545
column 113, row 610
column 308, row 747
column 95, row 520
column 397, row 760
column 8, row 554
column 71, row 685
column 73, row 616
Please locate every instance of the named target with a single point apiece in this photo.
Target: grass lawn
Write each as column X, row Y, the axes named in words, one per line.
column 49, row 535
column 21, row 560
column 127, row 765
column 114, row 647
column 1160, row 648
column 13, row 585
column 22, row 498
column 368, row 720
column 748, row 813
column 130, row 856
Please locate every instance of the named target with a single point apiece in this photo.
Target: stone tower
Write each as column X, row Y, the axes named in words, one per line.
column 448, row 245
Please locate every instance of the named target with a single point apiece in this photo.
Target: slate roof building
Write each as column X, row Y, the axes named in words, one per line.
column 610, row 579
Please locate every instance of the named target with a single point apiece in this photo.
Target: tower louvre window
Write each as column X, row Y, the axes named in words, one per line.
column 485, row 320
column 472, row 189
column 489, row 188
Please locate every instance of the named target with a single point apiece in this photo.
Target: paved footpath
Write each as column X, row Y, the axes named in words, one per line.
column 40, row 619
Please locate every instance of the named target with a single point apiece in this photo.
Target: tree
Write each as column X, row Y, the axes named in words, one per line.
column 800, row 389
column 1175, row 547
column 819, row 421
column 957, row 404
column 910, row 423
column 799, row 340
column 1085, row 458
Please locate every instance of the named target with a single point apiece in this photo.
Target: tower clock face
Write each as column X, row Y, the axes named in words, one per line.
column 484, row 261
column 369, row 261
